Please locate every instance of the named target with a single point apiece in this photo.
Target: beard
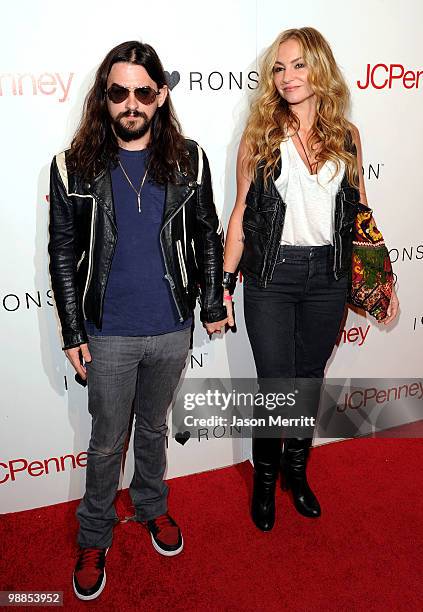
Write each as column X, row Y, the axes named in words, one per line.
column 125, row 130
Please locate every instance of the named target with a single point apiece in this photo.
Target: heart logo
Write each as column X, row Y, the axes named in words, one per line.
column 182, row 438
column 172, row 79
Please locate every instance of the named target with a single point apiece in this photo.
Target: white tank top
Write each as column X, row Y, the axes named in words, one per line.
column 309, row 199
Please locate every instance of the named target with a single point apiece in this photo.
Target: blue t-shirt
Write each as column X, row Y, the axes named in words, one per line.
column 138, row 299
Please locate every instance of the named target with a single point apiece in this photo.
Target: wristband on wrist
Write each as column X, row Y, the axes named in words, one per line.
column 229, row 281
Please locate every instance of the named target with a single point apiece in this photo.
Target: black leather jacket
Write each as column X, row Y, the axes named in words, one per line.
column 83, row 236
column 263, row 223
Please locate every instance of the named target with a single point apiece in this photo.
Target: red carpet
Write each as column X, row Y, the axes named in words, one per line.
column 364, row 553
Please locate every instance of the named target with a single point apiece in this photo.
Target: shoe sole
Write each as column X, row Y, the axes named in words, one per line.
column 167, row 553
column 94, row 595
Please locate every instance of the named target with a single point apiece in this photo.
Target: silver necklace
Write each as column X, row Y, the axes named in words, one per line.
column 137, row 191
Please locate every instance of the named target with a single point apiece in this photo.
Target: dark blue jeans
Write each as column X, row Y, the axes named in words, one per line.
column 142, row 372
column 293, row 323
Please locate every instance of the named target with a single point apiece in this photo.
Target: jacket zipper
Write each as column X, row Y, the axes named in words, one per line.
column 340, row 227
column 270, row 271
column 193, row 252
column 337, row 242
column 184, row 229
column 167, row 275
column 78, row 265
column 90, row 256
column 272, row 267
column 182, row 264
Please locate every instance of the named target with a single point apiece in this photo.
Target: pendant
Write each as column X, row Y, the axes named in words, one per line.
column 139, row 202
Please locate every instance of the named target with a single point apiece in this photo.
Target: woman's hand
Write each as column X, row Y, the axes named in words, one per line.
column 227, row 301
column 215, row 328
column 392, row 308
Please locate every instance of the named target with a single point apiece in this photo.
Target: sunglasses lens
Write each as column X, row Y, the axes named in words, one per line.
column 117, row 94
column 145, row 95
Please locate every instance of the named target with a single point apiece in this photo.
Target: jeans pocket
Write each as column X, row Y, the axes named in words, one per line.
column 294, row 261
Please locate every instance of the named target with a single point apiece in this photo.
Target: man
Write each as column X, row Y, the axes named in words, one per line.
column 134, row 236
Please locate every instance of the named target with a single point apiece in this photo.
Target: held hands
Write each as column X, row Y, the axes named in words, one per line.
column 76, row 356
column 392, row 308
column 219, row 326
column 215, row 328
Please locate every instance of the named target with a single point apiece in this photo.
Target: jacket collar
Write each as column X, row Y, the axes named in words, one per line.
column 100, row 188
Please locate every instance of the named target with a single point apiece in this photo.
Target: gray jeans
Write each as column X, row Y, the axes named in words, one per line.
column 143, row 372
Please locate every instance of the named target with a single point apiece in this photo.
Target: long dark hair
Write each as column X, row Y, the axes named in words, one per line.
column 94, row 146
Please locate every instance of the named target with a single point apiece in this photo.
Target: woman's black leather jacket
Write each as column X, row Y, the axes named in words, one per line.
column 263, row 223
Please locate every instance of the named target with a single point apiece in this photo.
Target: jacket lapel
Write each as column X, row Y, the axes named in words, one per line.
column 175, row 196
column 100, row 187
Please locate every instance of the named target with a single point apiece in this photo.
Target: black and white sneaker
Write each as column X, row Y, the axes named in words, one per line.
column 165, row 535
column 89, row 576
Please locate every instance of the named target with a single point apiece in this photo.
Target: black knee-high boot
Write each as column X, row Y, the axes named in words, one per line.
column 266, row 457
column 293, row 463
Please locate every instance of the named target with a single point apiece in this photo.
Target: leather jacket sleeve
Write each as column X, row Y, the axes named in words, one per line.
column 63, row 264
column 209, row 242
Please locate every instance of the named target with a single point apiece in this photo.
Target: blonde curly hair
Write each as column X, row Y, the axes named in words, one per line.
column 271, row 120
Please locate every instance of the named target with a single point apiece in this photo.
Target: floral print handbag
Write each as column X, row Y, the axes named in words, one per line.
column 372, row 277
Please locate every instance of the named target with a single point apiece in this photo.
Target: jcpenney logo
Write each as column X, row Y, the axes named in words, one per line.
column 386, row 76
column 53, row 84
column 22, row 467
column 215, row 80
column 368, row 398
column 353, row 335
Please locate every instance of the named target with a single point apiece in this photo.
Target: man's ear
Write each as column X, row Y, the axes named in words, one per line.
column 162, row 95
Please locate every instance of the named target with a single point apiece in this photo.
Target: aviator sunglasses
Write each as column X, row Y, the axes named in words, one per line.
column 117, row 94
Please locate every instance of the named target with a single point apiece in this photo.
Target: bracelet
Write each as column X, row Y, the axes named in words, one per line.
column 228, row 298
column 229, row 281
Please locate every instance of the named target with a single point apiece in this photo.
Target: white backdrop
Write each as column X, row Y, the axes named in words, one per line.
column 49, row 53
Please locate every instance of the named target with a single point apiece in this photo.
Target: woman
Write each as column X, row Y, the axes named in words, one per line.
column 298, row 154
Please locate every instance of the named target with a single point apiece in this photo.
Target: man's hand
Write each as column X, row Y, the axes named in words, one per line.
column 216, row 328
column 392, row 308
column 75, row 355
